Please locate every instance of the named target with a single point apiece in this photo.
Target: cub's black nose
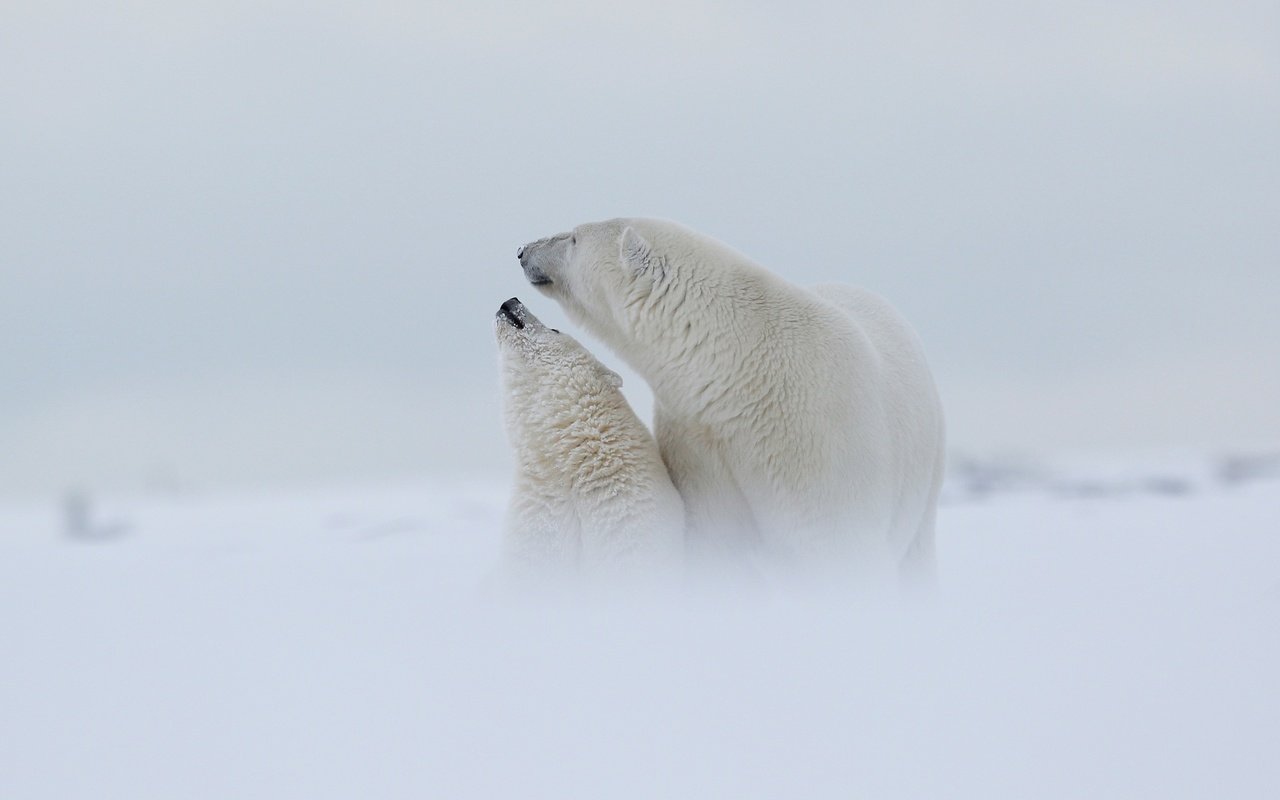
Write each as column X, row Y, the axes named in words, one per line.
column 510, row 310
column 520, row 254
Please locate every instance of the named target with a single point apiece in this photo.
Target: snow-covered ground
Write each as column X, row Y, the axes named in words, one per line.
column 1100, row 630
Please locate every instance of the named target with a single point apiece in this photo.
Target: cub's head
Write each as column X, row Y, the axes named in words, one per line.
column 600, row 272
column 543, row 368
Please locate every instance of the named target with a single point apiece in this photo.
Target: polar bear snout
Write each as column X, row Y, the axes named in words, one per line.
column 513, row 312
column 537, row 258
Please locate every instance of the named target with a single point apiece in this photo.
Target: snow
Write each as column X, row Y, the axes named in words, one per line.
column 1102, row 629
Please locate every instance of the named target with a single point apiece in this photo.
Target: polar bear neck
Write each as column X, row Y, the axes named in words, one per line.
column 697, row 341
column 578, row 441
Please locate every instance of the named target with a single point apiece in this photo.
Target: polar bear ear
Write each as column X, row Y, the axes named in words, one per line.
column 634, row 250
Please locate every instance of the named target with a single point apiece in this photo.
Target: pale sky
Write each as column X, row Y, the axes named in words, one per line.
column 262, row 243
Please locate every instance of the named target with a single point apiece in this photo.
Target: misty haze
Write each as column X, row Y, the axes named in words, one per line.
column 254, row 476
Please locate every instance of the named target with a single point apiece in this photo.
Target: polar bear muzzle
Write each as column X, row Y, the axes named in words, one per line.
column 513, row 312
column 535, row 257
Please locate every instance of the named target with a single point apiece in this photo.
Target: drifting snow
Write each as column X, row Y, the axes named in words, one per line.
column 1118, row 640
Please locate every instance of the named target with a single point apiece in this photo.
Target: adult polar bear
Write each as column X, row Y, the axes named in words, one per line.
column 799, row 423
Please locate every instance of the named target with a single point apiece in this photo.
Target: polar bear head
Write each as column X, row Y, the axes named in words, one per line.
column 604, row 274
column 544, row 369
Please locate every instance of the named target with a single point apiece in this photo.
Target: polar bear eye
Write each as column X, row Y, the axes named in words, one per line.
column 573, row 238
column 553, row 330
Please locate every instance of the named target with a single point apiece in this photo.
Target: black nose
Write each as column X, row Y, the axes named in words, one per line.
column 511, row 310
column 520, row 255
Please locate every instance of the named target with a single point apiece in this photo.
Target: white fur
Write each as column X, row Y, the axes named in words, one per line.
column 592, row 499
column 800, row 424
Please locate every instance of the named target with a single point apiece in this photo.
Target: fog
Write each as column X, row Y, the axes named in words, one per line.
column 262, row 243
column 1104, row 630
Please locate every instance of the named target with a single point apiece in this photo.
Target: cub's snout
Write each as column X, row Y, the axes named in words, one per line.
column 512, row 312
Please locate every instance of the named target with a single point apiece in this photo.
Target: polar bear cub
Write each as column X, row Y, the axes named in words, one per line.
column 592, row 498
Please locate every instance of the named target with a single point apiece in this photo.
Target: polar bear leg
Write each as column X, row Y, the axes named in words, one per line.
column 718, row 520
column 919, row 567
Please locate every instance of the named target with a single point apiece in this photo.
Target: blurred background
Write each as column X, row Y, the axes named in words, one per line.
column 260, row 244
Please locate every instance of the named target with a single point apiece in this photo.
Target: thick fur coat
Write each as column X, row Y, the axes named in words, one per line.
column 592, row 498
column 798, row 424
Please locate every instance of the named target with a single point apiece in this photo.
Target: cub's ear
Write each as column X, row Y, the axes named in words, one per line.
column 634, row 250
column 611, row 377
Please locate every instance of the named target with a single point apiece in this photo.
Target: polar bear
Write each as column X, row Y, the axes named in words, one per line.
column 592, row 498
column 800, row 425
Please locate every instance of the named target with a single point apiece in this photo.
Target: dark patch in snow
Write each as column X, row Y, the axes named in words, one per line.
column 1238, row 469
column 78, row 521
